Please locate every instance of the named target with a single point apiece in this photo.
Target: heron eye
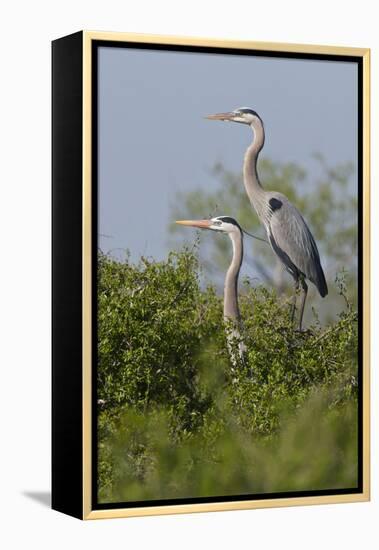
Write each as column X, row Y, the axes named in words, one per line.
column 217, row 223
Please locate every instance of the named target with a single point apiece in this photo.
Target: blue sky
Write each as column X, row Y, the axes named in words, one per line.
column 154, row 140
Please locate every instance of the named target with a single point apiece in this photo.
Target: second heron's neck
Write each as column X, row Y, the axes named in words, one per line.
column 231, row 309
column 253, row 187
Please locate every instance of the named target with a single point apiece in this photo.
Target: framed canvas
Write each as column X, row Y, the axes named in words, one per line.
column 220, row 362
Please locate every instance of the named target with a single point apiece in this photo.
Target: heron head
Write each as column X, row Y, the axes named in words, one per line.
column 243, row 115
column 225, row 224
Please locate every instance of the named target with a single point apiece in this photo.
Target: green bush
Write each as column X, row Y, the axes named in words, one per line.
column 153, row 321
column 177, row 419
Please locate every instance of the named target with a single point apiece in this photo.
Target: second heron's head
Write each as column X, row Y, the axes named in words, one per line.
column 243, row 115
column 225, row 224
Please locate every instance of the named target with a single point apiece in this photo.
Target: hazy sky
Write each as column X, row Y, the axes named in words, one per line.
column 154, row 140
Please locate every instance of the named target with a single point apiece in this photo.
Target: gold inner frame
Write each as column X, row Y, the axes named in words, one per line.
column 88, row 513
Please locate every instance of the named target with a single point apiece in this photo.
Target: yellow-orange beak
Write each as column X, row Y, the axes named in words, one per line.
column 203, row 224
column 221, row 116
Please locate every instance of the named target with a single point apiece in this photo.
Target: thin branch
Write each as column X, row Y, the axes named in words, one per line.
column 351, row 317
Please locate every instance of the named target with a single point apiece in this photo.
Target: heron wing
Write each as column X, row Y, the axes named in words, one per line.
column 292, row 240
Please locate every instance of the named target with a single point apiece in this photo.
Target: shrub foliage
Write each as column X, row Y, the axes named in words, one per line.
column 177, row 419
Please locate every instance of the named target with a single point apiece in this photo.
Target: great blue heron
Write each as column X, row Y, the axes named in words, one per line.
column 287, row 231
column 231, row 227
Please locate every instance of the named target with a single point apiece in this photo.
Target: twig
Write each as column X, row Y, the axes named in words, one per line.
column 352, row 317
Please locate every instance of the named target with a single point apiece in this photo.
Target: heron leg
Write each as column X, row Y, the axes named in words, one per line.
column 304, row 287
column 293, row 307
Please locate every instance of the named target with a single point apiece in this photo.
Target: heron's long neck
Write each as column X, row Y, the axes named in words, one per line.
column 254, row 190
column 231, row 309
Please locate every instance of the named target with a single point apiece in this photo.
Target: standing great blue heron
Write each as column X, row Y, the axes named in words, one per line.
column 287, row 231
column 232, row 228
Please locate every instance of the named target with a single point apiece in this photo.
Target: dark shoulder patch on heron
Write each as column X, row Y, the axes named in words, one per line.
column 275, row 204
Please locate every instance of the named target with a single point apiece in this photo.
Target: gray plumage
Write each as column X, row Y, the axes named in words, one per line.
column 287, row 231
column 293, row 242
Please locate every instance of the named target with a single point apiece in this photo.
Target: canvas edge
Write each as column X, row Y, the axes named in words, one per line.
column 66, row 337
